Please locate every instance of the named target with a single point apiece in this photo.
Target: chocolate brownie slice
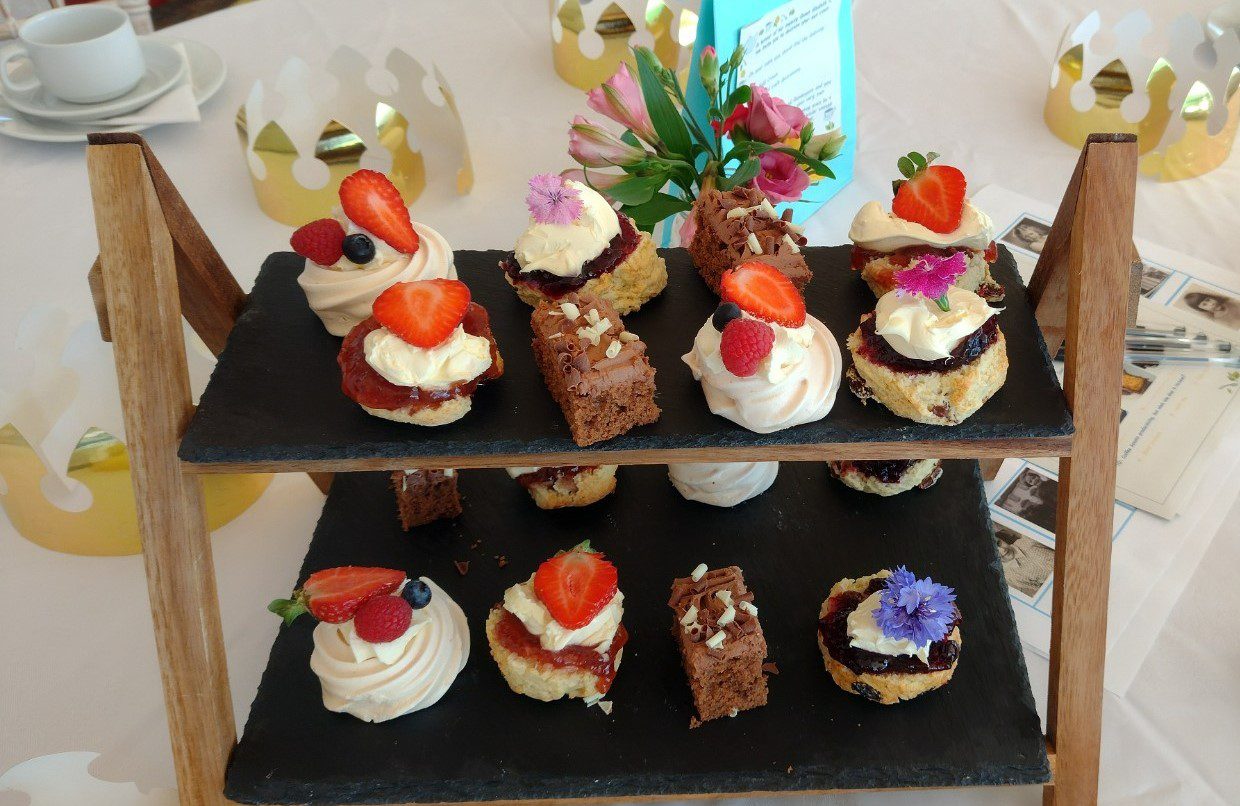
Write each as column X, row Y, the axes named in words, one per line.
column 423, row 496
column 721, row 642
column 596, row 370
column 739, row 225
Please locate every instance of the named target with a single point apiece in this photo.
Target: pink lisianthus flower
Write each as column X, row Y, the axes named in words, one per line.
column 770, row 120
column 780, row 178
column 931, row 277
column 620, row 99
column 595, row 147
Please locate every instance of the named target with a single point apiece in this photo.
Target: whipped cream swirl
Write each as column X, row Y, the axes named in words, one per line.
column 722, row 484
column 523, row 602
column 916, row 327
column 378, row 682
column 882, row 231
column 342, row 294
column 562, row 249
column 795, row 384
column 458, row 358
column 864, row 633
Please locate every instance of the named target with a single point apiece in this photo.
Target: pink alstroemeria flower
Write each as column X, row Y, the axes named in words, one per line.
column 620, row 99
column 596, row 179
column 932, row 277
column 770, row 120
column 780, row 178
column 595, row 147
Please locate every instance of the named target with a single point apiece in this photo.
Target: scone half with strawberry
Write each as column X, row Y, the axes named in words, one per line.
column 422, row 354
column 559, row 633
column 930, row 214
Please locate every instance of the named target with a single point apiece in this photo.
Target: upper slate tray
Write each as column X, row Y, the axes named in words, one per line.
column 275, row 394
column 482, row 742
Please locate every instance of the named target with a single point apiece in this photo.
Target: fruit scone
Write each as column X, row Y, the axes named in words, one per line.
column 566, row 485
column 368, row 244
column 890, row 636
column 887, row 477
column 422, row 355
column 385, row 645
column 575, row 241
column 930, row 351
column 930, row 215
column 764, row 363
column 558, row 634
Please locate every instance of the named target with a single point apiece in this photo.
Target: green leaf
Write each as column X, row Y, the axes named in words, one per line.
column 660, row 206
column 815, row 166
column 746, row 171
column 631, row 139
column 289, row 609
column 917, row 159
column 745, row 150
column 637, row 189
column 907, row 167
column 932, row 156
column 667, row 123
column 807, row 131
column 740, row 95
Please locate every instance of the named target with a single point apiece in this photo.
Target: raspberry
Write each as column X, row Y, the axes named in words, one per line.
column 320, row 242
column 382, row 619
column 743, row 345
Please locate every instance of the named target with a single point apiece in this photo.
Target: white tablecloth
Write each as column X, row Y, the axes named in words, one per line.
column 77, row 665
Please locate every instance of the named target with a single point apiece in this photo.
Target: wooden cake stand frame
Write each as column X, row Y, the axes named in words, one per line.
column 156, row 265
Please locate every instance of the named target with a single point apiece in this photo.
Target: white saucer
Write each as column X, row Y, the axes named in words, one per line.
column 207, row 73
column 164, row 67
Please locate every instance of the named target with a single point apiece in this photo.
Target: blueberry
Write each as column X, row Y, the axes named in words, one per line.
column 725, row 313
column 417, row 593
column 358, row 248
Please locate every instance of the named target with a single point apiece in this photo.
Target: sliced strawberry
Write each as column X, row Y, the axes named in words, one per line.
column 424, row 312
column 575, row 585
column 334, row 594
column 371, row 201
column 932, row 196
column 320, row 242
column 763, row 291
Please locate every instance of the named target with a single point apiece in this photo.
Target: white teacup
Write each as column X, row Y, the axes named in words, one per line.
column 81, row 54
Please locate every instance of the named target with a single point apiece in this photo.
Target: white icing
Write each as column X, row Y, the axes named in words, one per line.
column 916, row 327
column 562, row 249
column 460, row 357
column 883, row 231
column 722, row 484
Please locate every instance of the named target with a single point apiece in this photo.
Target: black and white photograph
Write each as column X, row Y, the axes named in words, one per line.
column 1031, row 495
column 1211, row 304
column 1027, row 563
column 1028, row 234
column 1152, row 278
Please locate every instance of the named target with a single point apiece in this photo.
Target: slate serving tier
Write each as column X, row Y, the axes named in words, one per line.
column 482, row 742
column 275, row 393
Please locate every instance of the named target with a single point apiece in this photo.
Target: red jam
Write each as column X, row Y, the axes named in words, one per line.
column 361, row 383
column 552, row 475
column 554, row 286
column 902, row 258
column 876, row 350
column 513, row 636
column 833, row 629
column 888, row 471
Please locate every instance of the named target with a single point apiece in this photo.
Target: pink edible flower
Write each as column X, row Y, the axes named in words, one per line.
column 931, row 277
column 551, row 201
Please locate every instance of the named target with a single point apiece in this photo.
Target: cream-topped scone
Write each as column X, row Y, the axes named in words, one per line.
column 576, row 241
column 421, row 356
column 930, row 214
column 763, row 362
column 385, row 646
column 722, row 484
column 934, row 356
column 369, row 244
column 889, row 636
column 567, row 485
column 887, row 477
column 559, row 633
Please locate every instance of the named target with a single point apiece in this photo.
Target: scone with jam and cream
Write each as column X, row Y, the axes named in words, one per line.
column 930, row 215
column 368, row 245
column 763, row 362
column 566, row 485
column 385, row 645
column 576, row 242
column 421, row 356
column 558, row 634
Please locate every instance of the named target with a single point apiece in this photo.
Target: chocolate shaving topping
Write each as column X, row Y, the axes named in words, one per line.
column 770, row 668
column 462, row 566
column 703, row 594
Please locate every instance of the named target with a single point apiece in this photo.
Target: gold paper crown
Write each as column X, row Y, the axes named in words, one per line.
column 1184, row 108
column 589, row 38
column 301, row 140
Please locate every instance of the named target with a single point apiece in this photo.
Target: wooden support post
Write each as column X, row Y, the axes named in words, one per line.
column 137, row 263
column 1084, row 293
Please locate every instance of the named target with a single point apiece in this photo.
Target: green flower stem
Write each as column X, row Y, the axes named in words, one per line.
column 943, row 304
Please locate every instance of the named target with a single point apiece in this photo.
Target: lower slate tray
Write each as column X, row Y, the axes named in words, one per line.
column 275, row 394
column 482, row 742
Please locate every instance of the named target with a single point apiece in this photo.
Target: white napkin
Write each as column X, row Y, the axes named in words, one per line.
column 177, row 105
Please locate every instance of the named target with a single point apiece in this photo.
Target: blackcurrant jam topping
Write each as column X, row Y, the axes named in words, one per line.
column 554, row 286
column 833, row 629
column 876, row 349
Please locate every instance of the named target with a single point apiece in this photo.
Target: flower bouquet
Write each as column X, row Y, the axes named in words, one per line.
column 769, row 144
